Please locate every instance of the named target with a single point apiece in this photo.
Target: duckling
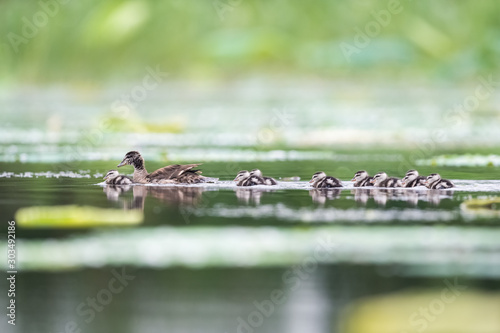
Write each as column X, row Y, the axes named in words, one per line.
column 173, row 174
column 241, row 175
column 321, row 180
column 113, row 177
column 362, row 179
column 412, row 179
column 381, row 180
column 267, row 180
column 245, row 178
column 434, row 182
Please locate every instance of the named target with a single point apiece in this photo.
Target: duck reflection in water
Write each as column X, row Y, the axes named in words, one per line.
column 320, row 196
column 169, row 195
column 250, row 195
column 412, row 197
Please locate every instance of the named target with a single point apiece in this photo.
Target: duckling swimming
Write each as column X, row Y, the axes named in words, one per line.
column 267, row 180
column 434, row 182
column 113, row 177
column 245, row 178
column 382, row 180
column 362, row 179
column 321, row 180
column 171, row 174
column 412, row 179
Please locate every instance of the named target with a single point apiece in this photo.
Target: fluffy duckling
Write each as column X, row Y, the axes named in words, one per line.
column 321, row 180
column 113, row 177
column 362, row 179
column 382, row 180
column 267, row 180
column 434, row 182
column 245, row 178
column 173, row 174
column 412, row 179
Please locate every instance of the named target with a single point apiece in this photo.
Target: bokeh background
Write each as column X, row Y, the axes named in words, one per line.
column 99, row 41
column 290, row 87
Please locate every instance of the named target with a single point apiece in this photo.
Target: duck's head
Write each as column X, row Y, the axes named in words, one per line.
column 111, row 174
column 379, row 177
column 410, row 175
column 317, row 176
column 256, row 172
column 132, row 158
column 242, row 174
column 360, row 175
column 432, row 178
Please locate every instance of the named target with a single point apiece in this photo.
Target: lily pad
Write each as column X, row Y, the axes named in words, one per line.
column 454, row 308
column 489, row 207
column 73, row 216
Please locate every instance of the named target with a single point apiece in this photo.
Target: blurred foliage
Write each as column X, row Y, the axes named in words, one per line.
column 116, row 39
column 134, row 124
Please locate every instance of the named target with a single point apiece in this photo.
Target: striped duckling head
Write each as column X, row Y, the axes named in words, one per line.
column 256, row 172
column 379, row 177
column 410, row 176
column 432, row 178
column 241, row 175
column 111, row 174
column 317, row 176
column 359, row 176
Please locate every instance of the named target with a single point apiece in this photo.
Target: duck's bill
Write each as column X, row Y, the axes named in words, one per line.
column 353, row 180
column 311, row 181
column 235, row 179
column 122, row 163
column 372, row 181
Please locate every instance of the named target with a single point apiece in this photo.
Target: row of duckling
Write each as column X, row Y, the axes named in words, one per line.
column 188, row 174
column 360, row 179
column 381, row 179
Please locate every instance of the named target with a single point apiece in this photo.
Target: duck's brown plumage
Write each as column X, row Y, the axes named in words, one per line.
column 171, row 174
column 182, row 173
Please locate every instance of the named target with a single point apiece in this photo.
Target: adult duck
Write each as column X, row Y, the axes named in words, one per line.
column 171, row 174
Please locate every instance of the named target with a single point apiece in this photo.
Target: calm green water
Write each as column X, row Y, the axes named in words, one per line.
column 204, row 256
column 211, row 258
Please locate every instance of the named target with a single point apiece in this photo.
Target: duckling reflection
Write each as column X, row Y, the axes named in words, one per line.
column 113, row 192
column 435, row 197
column 189, row 196
column 250, row 195
column 320, row 196
column 382, row 195
column 176, row 196
column 362, row 195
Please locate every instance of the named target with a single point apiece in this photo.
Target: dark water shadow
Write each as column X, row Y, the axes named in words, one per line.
column 251, row 195
column 320, row 196
column 172, row 196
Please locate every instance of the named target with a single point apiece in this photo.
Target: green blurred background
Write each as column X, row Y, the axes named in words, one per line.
column 100, row 41
column 361, row 84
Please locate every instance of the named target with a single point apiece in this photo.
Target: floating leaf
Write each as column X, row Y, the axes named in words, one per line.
column 73, row 216
column 450, row 309
column 487, row 208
